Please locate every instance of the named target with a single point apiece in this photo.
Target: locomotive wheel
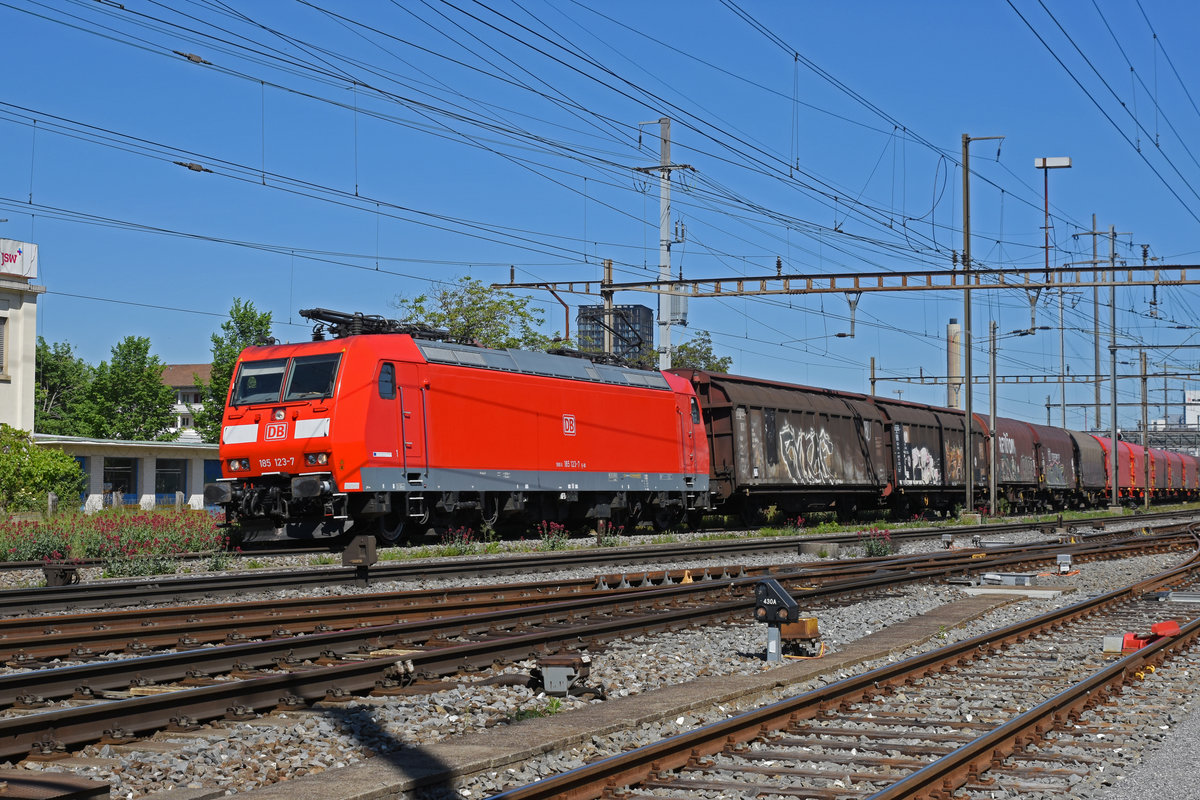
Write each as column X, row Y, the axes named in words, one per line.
column 390, row 528
column 667, row 518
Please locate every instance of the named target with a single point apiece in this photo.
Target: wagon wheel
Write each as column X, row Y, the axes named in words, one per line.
column 750, row 514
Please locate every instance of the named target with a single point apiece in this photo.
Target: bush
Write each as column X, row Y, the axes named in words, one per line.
column 459, row 542
column 118, row 536
column 876, row 543
column 554, row 535
column 28, row 473
column 608, row 535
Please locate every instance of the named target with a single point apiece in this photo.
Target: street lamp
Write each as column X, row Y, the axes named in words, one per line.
column 1047, row 164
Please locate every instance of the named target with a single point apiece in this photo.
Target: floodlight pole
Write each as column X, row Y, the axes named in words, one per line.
column 1045, row 165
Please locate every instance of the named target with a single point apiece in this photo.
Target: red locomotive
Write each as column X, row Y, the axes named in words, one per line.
column 386, row 427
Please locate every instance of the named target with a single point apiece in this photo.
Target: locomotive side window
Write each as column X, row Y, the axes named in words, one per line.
column 312, row 376
column 387, row 382
column 695, row 412
column 259, row 381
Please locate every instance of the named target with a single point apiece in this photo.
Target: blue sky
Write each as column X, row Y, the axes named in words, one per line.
column 361, row 151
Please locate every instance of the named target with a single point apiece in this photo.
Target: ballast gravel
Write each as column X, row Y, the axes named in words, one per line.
column 237, row 757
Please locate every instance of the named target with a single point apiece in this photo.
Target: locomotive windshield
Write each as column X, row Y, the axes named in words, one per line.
column 309, row 377
column 258, row 382
column 312, row 376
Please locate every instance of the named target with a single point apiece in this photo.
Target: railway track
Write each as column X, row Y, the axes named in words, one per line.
column 117, row 701
column 33, row 641
column 1004, row 712
column 177, row 589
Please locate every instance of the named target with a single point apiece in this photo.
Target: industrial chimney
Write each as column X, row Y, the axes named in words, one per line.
column 954, row 364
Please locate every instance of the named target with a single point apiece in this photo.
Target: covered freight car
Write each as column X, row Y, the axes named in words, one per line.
column 1058, row 480
column 1091, row 466
column 927, row 456
column 793, row 447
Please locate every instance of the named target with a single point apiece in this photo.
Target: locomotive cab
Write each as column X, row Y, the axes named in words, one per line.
column 276, row 449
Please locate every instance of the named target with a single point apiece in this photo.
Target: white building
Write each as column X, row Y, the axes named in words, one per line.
column 1191, row 408
column 18, row 331
column 182, row 378
column 138, row 473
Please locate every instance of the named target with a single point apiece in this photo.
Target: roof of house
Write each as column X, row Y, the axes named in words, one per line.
column 184, row 375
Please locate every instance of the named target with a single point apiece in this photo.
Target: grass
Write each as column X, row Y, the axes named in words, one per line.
column 132, row 542
column 553, row 706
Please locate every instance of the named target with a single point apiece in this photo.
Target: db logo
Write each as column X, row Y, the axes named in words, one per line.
column 568, row 424
column 275, row 431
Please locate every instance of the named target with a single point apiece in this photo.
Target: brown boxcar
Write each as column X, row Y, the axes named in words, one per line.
column 1090, row 466
column 1015, row 455
column 926, row 446
column 1055, row 459
column 795, row 447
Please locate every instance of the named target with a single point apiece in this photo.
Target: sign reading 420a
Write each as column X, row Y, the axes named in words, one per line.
column 18, row 258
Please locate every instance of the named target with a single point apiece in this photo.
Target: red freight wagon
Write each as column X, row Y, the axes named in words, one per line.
column 1130, row 467
column 1191, row 473
column 1175, row 473
column 1160, row 471
column 378, row 431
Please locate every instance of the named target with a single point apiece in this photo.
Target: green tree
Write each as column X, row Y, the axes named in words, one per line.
column 473, row 311
column 127, row 398
column 246, row 326
column 28, row 472
column 62, row 381
column 697, row 353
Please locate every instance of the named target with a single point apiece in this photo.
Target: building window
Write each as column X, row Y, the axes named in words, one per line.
column 120, row 476
column 170, row 476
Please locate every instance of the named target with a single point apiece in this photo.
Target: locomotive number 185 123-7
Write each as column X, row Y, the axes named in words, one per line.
column 276, row 462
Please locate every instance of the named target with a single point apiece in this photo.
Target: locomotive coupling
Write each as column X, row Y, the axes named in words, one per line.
column 218, row 494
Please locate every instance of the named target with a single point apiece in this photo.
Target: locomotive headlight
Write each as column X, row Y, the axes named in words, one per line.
column 315, row 459
column 278, row 414
column 239, row 465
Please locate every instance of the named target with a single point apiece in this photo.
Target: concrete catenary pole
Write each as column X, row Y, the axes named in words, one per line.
column 1096, row 320
column 968, row 467
column 1113, row 477
column 968, row 420
column 607, row 296
column 992, row 422
column 1145, row 435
